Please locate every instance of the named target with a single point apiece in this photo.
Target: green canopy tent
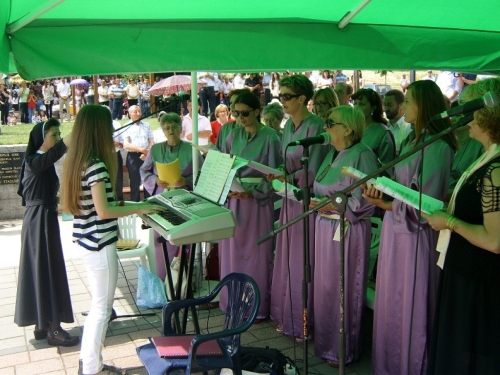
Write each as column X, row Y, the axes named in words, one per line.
column 46, row 38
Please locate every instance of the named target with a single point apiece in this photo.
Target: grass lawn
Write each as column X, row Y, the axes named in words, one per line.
column 19, row 134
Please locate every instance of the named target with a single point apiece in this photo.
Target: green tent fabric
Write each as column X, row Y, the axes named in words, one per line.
column 80, row 37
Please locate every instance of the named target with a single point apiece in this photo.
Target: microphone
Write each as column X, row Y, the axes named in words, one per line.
column 490, row 99
column 323, row 139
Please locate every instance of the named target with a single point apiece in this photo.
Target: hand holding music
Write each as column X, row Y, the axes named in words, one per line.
column 271, row 177
column 375, row 197
column 437, row 220
column 160, row 183
column 327, row 208
column 240, row 195
column 180, row 182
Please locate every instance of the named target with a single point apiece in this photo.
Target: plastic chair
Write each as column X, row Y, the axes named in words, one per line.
column 128, row 230
column 243, row 306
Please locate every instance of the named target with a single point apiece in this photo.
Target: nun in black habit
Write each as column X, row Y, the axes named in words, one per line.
column 43, row 297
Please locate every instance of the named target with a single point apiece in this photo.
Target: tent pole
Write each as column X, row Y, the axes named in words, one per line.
column 350, row 15
column 31, row 16
column 194, row 111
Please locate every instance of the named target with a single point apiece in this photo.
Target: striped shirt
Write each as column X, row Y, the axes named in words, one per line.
column 89, row 230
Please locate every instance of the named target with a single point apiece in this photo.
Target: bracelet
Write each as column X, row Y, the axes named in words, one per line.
column 450, row 223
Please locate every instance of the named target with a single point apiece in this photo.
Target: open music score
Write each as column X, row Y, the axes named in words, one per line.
column 399, row 192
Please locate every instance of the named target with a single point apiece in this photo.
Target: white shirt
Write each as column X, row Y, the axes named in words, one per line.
column 102, row 91
column 159, row 136
column 139, row 134
column 207, row 80
column 400, row 129
column 48, row 93
column 187, row 128
column 226, row 87
column 238, row 82
column 448, row 83
column 64, row 89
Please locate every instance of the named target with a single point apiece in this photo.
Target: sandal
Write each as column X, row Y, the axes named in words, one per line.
column 333, row 363
column 62, row 338
column 279, row 328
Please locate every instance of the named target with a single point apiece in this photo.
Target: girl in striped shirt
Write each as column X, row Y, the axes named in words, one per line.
column 88, row 184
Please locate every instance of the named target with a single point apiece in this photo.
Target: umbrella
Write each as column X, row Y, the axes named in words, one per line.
column 174, row 84
column 17, row 79
column 79, row 81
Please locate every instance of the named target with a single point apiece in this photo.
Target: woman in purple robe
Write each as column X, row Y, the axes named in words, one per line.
column 168, row 152
column 377, row 135
column 407, row 274
column 345, row 125
column 252, row 208
column 286, row 291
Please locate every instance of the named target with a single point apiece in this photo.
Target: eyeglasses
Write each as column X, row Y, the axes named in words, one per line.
column 287, row 97
column 168, row 128
column 321, row 104
column 330, row 124
column 243, row 113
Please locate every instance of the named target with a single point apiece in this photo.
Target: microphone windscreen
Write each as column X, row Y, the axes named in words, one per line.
column 327, row 137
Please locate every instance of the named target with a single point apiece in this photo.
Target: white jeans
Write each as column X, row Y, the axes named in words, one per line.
column 102, row 273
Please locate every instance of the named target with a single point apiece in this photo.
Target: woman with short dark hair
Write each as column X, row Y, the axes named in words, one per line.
column 252, row 207
column 295, row 92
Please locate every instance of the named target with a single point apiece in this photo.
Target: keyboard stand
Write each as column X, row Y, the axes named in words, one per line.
column 186, row 266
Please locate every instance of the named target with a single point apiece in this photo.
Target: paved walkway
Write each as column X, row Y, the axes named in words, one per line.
column 21, row 354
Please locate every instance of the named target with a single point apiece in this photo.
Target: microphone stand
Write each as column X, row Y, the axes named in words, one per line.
column 339, row 199
column 306, row 278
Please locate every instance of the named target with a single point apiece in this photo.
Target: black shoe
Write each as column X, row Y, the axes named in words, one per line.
column 54, row 338
column 40, row 334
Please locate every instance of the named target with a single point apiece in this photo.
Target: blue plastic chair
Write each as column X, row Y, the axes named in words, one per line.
column 242, row 308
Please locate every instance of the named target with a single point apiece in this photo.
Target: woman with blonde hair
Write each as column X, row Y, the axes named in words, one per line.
column 345, row 126
column 222, row 117
column 324, row 100
column 88, row 184
column 272, row 115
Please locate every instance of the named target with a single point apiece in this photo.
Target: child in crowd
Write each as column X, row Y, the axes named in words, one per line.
column 31, row 105
column 43, row 116
column 12, row 119
column 35, row 119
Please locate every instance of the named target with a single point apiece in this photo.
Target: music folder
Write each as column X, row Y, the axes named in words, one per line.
column 178, row 347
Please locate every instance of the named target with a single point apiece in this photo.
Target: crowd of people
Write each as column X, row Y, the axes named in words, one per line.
column 430, row 316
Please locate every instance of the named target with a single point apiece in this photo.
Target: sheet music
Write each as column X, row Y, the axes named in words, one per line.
column 264, row 168
column 399, row 192
column 214, row 175
column 408, row 196
column 290, row 189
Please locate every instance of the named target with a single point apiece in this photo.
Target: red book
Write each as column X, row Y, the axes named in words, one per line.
column 178, row 347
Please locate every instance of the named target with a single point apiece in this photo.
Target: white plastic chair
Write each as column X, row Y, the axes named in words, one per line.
column 146, row 251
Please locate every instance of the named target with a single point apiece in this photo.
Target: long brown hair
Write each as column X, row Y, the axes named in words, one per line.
column 430, row 101
column 92, row 138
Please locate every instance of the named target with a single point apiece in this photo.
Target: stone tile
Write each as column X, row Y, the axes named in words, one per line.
column 65, row 351
column 8, row 278
column 13, row 350
column 6, row 320
column 11, row 331
column 60, row 372
column 7, row 371
column 117, row 340
column 132, row 361
column 40, row 367
column 144, row 334
column 73, row 275
column 118, row 351
column 72, row 371
column 14, row 359
column 83, row 297
column 71, row 360
column 40, row 355
column 78, row 289
column 12, row 343
column 8, row 284
column 7, row 271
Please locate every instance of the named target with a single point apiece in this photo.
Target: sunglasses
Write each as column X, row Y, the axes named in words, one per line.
column 288, row 97
column 321, row 104
column 243, row 113
column 330, row 124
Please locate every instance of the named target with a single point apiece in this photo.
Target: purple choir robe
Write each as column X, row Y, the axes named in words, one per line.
column 163, row 153
column 282, row 291
column 254, row 217
column 407, row 277
column 379, row 138
column 327, row 256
